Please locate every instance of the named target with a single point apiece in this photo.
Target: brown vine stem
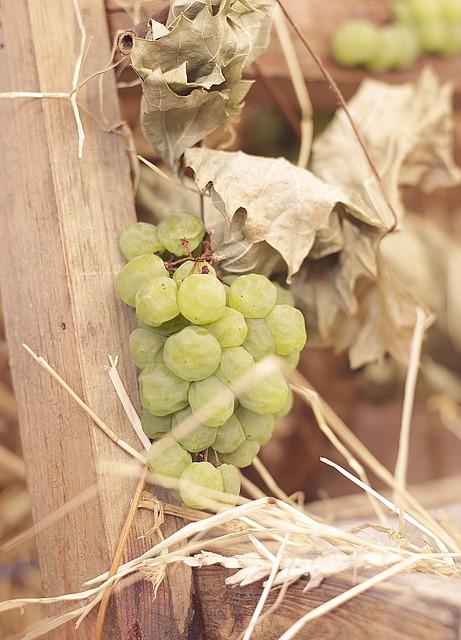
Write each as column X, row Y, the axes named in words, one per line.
column 119, row 551
column 339, row 96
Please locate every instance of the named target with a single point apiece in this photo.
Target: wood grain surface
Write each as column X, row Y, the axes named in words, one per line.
column 60, row 219
column 380, row 614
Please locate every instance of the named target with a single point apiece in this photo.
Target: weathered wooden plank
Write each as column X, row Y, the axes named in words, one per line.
column 381, row 614
column 60, row 217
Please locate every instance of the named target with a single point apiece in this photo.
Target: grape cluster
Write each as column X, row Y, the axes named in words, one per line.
column 432, row 26
column 205, row 387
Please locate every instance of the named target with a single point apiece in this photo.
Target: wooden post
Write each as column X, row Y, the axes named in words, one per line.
column 60, row 218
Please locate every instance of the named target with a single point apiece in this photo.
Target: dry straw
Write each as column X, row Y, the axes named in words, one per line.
column 285, row 543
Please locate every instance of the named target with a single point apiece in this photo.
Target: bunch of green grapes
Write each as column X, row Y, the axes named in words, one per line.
column 432, row 26
column 206, row 385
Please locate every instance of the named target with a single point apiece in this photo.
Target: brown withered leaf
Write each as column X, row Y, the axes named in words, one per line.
column 381, row 315
column 408, row 130
column 285, row 206
column 191, row 69
column 428, row 262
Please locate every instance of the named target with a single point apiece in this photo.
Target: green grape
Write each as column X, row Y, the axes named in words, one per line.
column 433, row 35
column 424, row 10
column 284, row 296
column 243, row 455
column 211, row 401
column 169, row 328
column 259, row 341
column 253, row 295
column 177, row 228
column 227, row 291
column 138, row 239
column 171, row 460
column 145, row 347
column 288, row 329
column 451, row 10
column 235, row 363
column 402, row 12
column 289, row 363
column 268, row 393
column 189, row 267
column 198, row 437
column 155, row 426
column 201, row 298
column 387, row 51
column 161, row 391
column 156, row 301
column 229, row 436
column 200, row 483
column 135, row 273
column 231, row 481
column 408, row 45
column 230, row 329
column 192, row 354
column 287, row 408
column 354, row 43
column 453, row 42
column 255, row 427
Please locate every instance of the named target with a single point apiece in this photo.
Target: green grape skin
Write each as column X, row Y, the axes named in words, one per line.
column 284, row 296
column 189, row 267
column 433, row 35
column 167, row 329
column 231, row 481
column 451, row 10
column 408, row 44
column 200, row 483
column 387, row 52
column 243, row 455
column 198, row 438
column 229, row 436
column 192, row 354
column 453, row 42
column 135, row 273
column 253, row 295
column 145, row 347
column 161, row 391
column 211, row 401
column 402, row 12
column 255, row 427
column 230, row 329
column 171, row 460
column 288, row 329
column 201, row 298
column 289, row 363
column 177, row 227
column 156, row 301
column 259, row 341
column 138, row 239
column 288, row 406
column 155, row 427
column 354, row 43
column 268, row 393
column 424, row 10
column 235, row 363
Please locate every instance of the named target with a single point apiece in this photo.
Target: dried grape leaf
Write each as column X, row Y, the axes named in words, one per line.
column 285, row 206
column 191, row 70
column 408, row 130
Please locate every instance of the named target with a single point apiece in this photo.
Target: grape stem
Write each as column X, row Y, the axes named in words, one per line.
column 208, row 254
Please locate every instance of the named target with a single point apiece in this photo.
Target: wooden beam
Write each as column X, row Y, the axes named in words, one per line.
column 60, row 218
column 384, row 613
